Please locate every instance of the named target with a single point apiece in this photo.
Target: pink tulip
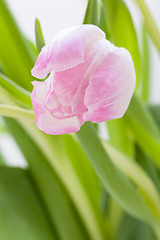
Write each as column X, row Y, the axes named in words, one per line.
column 90, row 80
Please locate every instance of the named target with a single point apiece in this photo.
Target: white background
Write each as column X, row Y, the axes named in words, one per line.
column 56, row 15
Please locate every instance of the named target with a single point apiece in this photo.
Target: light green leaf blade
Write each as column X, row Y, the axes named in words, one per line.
column 149, row 166
column 113, row 180
column 39, row 35
column 119, row 136
column 22, row 216
column 91, row 15
column 58, row 205
column 139, row 113
column 144, row 128
column 15, row 50
column 150, row 23
column 131, row 229
column 21, row 95
column 145, row 67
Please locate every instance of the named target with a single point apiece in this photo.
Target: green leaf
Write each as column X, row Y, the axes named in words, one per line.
column 58, row 205
column 149, row 166
column 15, row 55
column 155, row 111
column 21, row 95
column 103, row 22
column 32, row 50
column 22, row 216
column 121, row 30
column 145, row 67
column 144, row 128
column 150, row 23
column 39, row 35
column 131, row 229
column 2, row 162
column 113, row 180
column 86, row 174
column 137, row 175
column 83, row 168
column 149, row 145
column 17, row 112
column 119, row 136
column 65, row 173
column 91, row 16
column 139, row 113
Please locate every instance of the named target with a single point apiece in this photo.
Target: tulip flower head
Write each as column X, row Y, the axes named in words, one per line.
column 90, row 80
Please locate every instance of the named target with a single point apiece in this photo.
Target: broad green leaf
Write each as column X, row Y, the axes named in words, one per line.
column 139, row 113
column 114, row 218
column 58, row 205
column 150, row 23
column 3, row 128
column 22, row 215
column 113, row 180
column 138, row 176
column 119, row 136
column 65, row 173
column 2, row 162
column 15, row 56
column 82, row 167
column 91, row 16
column 131, row 229
column 121, row 30
column 146, row 141
column 155, row 111
column 17, row 112
column 145, row 67
column 39, row 35
column 18, row 93
column 86, row 174
column 144, row 128
column 32, row 50
column 103, row 22
column 149, row 166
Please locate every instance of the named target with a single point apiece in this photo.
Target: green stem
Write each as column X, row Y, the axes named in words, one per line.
column 150, row 23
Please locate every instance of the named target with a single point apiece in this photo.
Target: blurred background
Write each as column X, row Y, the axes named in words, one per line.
column 56, row 15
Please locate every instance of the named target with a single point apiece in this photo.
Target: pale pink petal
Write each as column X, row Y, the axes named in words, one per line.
column 50, row 125
column 44, row 120
column 66, row 50
column 67, row 88
column 110, row 87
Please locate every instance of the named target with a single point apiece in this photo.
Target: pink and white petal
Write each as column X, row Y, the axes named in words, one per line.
column 39, row 91
column 66, row 50
column 51, row 125
column 110, row 87
column 44, row 120
column 68, row 87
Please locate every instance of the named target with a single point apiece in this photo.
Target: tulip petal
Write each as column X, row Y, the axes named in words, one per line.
column 44, row 120
column 66, row 50
column 67, row 88
column 110, row 87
